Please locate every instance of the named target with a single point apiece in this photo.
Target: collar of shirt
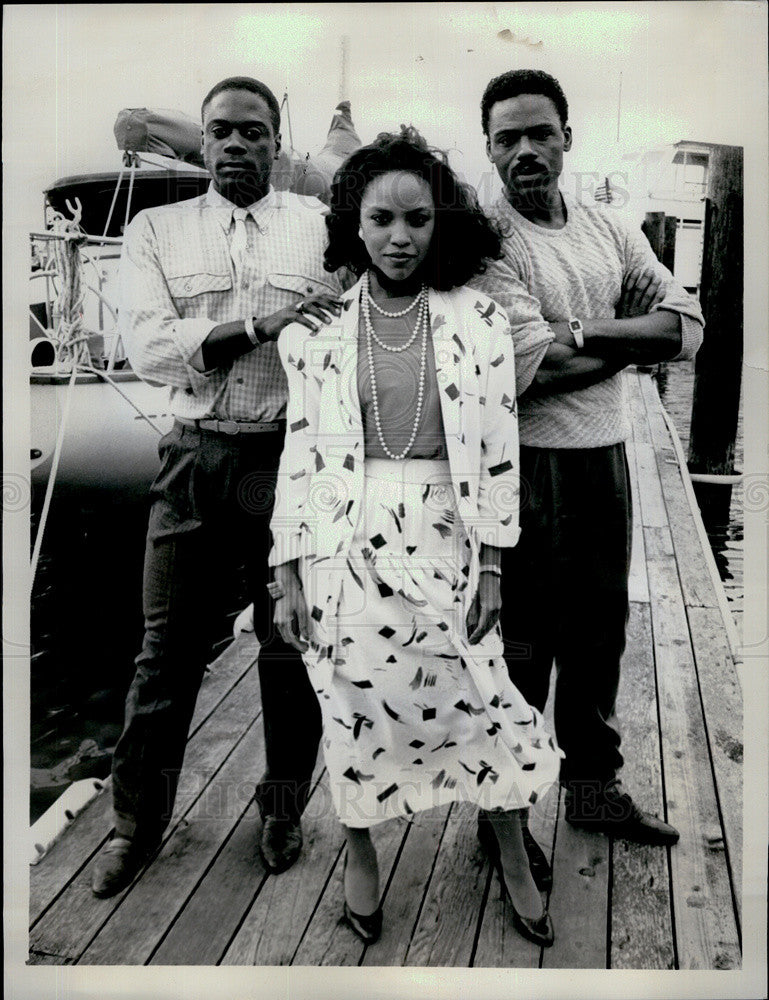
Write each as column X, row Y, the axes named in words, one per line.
column 504, row 209
column 260, row 211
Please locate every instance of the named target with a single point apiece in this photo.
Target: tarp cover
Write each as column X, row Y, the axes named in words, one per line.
column 174, row 134
column 166, row 133
column 312, row 175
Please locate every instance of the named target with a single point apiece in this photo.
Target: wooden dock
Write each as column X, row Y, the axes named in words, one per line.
column 206, row 899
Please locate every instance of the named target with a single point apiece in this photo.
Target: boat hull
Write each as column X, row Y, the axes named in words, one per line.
column 108, row 447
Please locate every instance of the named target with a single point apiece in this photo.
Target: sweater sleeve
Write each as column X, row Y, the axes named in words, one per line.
column 638, row 253
column 503, row 281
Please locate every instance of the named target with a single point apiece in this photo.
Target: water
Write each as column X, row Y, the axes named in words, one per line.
column 87, row 625
column 676, row 386
column 86, row 628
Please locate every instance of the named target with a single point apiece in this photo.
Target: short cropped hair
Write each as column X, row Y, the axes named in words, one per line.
column 523, row 81
column 463, row 237
column 255, row 87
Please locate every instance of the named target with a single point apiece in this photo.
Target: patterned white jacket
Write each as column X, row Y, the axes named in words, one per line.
column 320, row 481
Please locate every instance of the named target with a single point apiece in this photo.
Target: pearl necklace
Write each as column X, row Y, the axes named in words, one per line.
column 423, row 322
column 421, row 294
column 368, row 300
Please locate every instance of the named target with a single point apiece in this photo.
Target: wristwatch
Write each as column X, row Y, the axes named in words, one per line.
column 578, row 332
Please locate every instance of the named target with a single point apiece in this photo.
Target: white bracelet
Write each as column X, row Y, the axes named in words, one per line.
column 255, row 337
column 491, row 568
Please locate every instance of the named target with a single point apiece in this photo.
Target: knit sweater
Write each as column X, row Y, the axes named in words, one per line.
column 551, row 275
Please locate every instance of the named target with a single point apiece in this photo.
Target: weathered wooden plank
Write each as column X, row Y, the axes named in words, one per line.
column 407, row 888
column 706, row 932
column 653, row 511
column 722, row 702
column 328, row 939
column 641, row 933
column 446, row 929
column 637, row 406
column 203, row 930
column 210, row 918
column 77, row 915
column 638, row 583
column 273, row 927
column 499, row 944
column 77, row 844
column 579, row 901
column 136, row 928
column 88, row 832
column 38, row 958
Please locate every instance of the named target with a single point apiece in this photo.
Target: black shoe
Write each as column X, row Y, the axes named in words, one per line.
column 281, row 843
column 612, row 811
column 367, row 928
column 116, row 866
column 541, row 871
column 539, row 929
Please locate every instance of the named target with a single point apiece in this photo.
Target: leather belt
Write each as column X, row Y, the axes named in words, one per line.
column 233, row 427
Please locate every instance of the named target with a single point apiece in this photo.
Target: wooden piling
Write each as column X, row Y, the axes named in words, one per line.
column 668, row 257
column 653, row 228
column 660, row 230
column 718, row 369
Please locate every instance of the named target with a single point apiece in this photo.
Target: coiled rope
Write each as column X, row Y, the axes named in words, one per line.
column 71, row 340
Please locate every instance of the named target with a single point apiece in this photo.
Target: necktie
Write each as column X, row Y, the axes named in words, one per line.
column 238, row 245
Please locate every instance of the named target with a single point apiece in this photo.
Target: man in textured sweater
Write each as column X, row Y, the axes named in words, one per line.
column 586, row 297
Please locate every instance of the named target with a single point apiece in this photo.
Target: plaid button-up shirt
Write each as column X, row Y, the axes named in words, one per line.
column 178, row 281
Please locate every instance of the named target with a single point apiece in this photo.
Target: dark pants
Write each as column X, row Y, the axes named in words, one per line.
column 212, row 502
column 565, row 598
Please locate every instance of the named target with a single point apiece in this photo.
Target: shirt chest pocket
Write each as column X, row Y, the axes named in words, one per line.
column 300, row 284
column 189, row 287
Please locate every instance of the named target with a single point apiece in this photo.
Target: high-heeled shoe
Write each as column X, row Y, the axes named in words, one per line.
column 540, row 868
column 368, row 927
column 537, row 929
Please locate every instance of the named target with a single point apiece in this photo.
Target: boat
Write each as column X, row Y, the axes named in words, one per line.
column 95, row 424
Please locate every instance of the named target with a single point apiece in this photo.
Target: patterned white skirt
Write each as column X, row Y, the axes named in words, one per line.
column 413, row 716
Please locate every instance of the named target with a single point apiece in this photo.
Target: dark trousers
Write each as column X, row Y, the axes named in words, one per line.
column 565, row 598
column 212, row 502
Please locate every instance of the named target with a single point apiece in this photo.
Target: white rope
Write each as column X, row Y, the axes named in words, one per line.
column 71, row 342
column 51, row 479
column 114, row 199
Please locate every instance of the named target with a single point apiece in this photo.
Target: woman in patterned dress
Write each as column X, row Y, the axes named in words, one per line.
column 398, row 486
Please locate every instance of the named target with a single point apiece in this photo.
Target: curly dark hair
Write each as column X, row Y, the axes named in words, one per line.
column 463, row 238
column 523, row 81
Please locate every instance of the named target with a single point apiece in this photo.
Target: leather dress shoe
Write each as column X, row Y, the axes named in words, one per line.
column 116, row 866
column 613, row 812
column 281, row 843
column 540, row 868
